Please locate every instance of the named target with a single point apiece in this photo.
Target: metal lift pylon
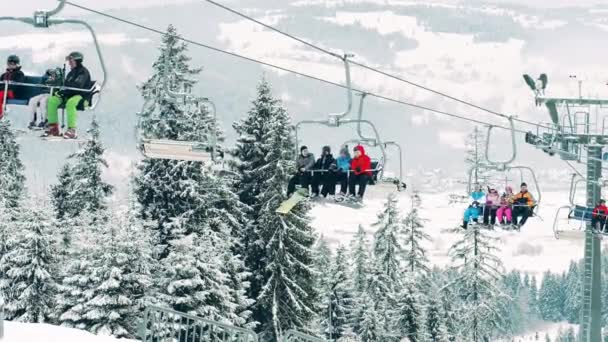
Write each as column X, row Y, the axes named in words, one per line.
column 566, row 140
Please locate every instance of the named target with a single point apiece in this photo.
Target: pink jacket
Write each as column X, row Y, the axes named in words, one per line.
column 492, row 199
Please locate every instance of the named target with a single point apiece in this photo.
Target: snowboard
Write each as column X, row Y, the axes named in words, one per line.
column 291, row 202
column 349, row 202
column 62, row 139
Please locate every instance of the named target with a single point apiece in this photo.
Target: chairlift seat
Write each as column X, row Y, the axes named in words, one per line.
column 25, row 93
column 177, row 150
column 581, row 213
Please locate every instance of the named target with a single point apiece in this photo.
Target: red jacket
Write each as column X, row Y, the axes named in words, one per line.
column 362, row 164
column 601, row 210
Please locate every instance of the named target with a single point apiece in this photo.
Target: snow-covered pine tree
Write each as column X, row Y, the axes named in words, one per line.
column 475, row 144
column 80, row 185
column 572, row 288
column 341, row 298
column 477, row 284
column 12, row 178
column 29, row 267
column 388, row 248
column 369, row 328
column 166, row 189
column 533, row 307
column 415, row 254
column 322, row 264
column 409, row 313
column 122, row 277
column 435, row 328
column 551, row 298
column 360, row 255
column 287, row 296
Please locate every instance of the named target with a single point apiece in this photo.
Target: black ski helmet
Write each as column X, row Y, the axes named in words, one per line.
column 77, row 56
column 13, row 59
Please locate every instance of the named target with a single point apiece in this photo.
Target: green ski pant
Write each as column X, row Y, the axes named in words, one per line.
column 70, row 108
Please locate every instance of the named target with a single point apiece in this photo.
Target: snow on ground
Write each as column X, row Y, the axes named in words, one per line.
column 533, row 250
column 551, row 329
column 30, row 332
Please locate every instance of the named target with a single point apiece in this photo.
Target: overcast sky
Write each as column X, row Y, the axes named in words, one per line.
column 26, row 7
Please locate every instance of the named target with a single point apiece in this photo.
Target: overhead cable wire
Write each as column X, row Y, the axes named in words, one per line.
column 367, row 67
column 257, row 61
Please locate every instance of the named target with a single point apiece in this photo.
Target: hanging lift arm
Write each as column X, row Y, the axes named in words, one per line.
column 501, row 165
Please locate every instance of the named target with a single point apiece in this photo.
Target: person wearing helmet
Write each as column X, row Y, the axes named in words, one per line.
column 38, row 104
column 361, row 166
column 78, row 78
column 13, row 74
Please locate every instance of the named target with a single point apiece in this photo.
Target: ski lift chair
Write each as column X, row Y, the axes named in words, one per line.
column 33, row 85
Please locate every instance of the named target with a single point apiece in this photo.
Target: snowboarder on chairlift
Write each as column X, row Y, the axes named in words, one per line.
column 78, row 78
column 326, row 164
column 343, row 168
column 13, row 74
column 361, row 173
column 38, row 104
column 599, row 215
column 304, row 165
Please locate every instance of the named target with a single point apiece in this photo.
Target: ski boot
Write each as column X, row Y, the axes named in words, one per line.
column 52, row 131
column 70, row 134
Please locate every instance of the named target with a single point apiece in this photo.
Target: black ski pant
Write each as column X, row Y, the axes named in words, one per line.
column 360, row 180
column 342, row 178
column 521, row 210
column 598, row 220
column 325, row 180
column 302, row 178
column 489, row 214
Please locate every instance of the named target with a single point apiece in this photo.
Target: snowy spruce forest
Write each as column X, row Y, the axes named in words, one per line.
column 206, row 240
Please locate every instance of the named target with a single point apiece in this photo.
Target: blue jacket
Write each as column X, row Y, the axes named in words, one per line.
column 478, row 196
column 343, row 163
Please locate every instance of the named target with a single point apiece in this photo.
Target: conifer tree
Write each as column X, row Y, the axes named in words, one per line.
column 572, row 289
column 29, row 268
column 474, row 157
column 360, row 254
column 341, row 299
column 12, row 179
column 369, row 328
column 436, row 330
column 533, row 306
column 388, row 249
column 409, row 313
column 415, row 255
column 122, row 273
column 279, row 254
column 477, row 284
column 167, row 189
column 551, row 298
column 80, row 185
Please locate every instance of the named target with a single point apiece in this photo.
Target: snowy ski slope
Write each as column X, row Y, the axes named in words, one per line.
column 533, row 250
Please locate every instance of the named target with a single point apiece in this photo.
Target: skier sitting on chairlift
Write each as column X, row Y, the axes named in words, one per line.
column 13, row 74
column 491, row 207
column 79, row 78
column 38, row 104
column 471, row 213
column 304, row 165
column 343, row 168
column 523, row 204
column 326, row 164
column 504, row 214
column 361, row 173
column 598, row 217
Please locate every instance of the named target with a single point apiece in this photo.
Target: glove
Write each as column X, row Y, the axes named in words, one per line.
column 358, row 169
column 333, row 167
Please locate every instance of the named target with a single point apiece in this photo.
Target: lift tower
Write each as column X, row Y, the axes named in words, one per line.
column 576, row 128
